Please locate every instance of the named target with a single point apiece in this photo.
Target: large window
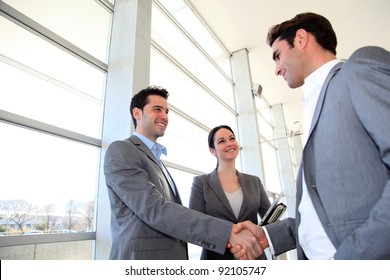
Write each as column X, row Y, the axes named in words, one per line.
column 193, row 66
column 53, row 57
column 53, row 69
column 268, row 147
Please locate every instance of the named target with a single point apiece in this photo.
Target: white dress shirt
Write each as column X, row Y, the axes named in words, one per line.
column 312, row 236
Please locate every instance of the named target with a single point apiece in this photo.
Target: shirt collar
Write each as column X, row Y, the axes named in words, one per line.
column 318, row 77
column 156, row 148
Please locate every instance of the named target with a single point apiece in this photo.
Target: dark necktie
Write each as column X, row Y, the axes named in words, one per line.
column 169, row 178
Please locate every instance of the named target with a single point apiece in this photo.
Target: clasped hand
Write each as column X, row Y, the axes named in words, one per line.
column 247, row 241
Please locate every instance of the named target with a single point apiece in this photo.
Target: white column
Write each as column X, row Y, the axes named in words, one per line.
column 128, row 73
column 248, row 135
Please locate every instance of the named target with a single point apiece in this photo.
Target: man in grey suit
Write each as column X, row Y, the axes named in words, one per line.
column 343, row 185
column 148, row 221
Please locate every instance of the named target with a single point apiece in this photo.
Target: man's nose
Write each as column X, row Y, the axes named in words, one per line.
column 278, row 70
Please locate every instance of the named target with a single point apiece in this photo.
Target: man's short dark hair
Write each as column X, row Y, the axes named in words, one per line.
column 315, row 24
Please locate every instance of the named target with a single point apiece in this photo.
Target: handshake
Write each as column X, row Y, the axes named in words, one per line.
column 247, row 241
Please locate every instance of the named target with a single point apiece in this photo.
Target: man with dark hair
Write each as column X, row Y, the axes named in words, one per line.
column 343, row 184
column 148, row 221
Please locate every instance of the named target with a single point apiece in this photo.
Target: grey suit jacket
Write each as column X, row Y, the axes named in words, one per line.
column 207, row 196
column 346, row 160
column 147, row 221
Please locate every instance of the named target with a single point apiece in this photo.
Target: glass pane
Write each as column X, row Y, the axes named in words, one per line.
column 263, row 109
column 269, row 156
column 214, row 80
column 56, row 87
column 186, row 17
column 187, row 95
column 265, row 129
column 212, row 113
column 187, row 144
column 84, row 23
column 294, row 161
column 182, row 89
column 271, row 169
column 78, row 250
column 47, row 184
column 264, row 120
column 173, row 41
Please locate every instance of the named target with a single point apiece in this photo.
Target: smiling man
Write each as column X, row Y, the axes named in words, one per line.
column 343, row 183
column 148, row 221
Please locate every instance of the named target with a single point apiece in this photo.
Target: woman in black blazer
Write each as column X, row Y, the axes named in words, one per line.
column 226, row 193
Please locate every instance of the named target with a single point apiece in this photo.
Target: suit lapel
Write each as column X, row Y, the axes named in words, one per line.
column 141, row 146
column 321, row 98
column 307, row 151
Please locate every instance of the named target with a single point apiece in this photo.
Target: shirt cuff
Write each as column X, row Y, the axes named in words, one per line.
column 271, row 247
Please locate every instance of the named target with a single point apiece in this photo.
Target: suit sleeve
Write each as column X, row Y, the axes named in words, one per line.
column 368, row 73
column 126, row 176
column 197, row 196
column 283, row 235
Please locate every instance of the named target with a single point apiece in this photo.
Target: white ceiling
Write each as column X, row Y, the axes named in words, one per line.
column 244, row 24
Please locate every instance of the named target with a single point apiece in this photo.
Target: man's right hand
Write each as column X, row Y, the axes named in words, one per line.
column 240, row 252
column 245, row 242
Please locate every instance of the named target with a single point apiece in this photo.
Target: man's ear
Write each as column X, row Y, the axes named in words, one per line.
column 301, row 37
column 137, row 113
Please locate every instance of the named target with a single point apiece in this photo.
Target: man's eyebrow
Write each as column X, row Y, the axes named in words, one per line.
column 160, row 107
